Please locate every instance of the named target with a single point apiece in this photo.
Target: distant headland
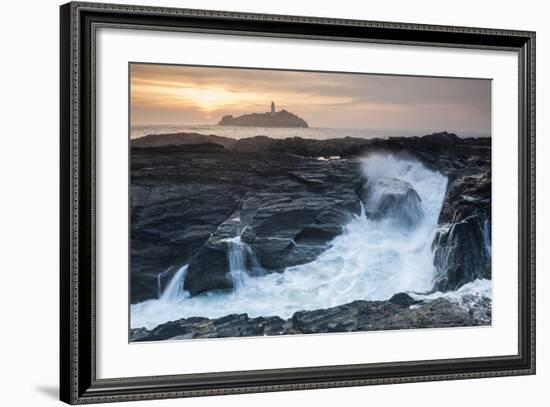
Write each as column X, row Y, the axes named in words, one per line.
column 273, row 118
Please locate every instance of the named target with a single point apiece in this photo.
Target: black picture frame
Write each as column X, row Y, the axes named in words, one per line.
column 78, row 381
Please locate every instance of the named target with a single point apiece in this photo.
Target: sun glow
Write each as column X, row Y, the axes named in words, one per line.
column 211, row 99
column 188, row 94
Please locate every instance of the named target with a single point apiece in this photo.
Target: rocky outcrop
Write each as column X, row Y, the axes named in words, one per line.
column 462, row 246
column 399, row 313
column 294, row 145
column 186, row 203
column 442, row 151
column 281, row 118
column 190, row 193
column 289, row 210
column 392, row 199
column 179, row 139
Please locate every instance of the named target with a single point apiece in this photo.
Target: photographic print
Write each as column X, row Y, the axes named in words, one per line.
column 275, row 202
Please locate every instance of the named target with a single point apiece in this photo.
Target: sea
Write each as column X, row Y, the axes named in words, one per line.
column 319, row 133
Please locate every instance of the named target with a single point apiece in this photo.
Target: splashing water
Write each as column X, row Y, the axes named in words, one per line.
column 237, row 262
column 160, row 277
column 242, row 262
column 174, row 290
column 371, row 260
column 466, row 296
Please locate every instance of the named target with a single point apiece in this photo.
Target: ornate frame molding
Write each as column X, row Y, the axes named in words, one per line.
column 79, row 21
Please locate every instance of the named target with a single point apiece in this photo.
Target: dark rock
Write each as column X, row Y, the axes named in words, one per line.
column 208, row 269
column 480, row 308
column 403, row 299
column 282, row 219
column 139, row 334
column 441, row 313
column 172, row 215
column 438, row 150
column 186, row 187
column 183, row 203
column 392, row 199
column 355, row 316
column 338, row 319
column 466, row 196
column 442, row 138
column 385, row 315
column 181, row 329
column 462, row 247
column 273, row 325
column 237, row 325
column 180, row 139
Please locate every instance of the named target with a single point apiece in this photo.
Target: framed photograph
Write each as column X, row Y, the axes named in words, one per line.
column 255, row 203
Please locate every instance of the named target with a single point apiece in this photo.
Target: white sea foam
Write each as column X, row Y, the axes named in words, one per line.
column 466, row 296
column 370, row 260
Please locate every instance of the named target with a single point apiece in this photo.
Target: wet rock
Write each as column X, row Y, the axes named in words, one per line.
column 208, row 269
column 394, row 200
column 462, row 246
column 186, row 187
column 441, row 313
column 181, row 139
column 355, row 316
column 480, row 308
column 139, row 334
column 289, row 211
column 338, row 319
column 403, row 299
column 172, row 215
column 444, row 138
column 183, row 328
column 284, row 232
column 467, row 195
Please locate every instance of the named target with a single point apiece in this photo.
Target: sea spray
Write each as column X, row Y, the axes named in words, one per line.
column 467, row 296
column 371, row 260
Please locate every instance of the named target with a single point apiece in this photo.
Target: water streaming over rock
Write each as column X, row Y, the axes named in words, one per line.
column 160, row 277
column 385, row 250
column 174, row 290
column 243, row 263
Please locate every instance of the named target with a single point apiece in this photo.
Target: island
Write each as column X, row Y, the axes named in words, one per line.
column 273, row 118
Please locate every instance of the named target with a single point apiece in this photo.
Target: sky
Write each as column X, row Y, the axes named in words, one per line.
column 178, row 94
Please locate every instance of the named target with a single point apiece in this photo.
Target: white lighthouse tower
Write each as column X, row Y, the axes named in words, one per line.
column 272, row 107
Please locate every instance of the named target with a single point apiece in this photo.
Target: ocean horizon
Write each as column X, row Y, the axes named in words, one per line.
column 320, row 133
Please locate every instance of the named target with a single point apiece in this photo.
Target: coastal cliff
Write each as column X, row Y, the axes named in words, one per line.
column 281, row 118
column 206, row 202
column 187, row 188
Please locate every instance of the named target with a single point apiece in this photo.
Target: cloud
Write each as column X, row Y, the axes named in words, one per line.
column 192, row 94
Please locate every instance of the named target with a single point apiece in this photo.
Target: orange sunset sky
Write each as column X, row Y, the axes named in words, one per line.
column 175, row 94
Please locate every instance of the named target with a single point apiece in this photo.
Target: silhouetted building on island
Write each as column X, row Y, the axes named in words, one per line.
column 273, row 118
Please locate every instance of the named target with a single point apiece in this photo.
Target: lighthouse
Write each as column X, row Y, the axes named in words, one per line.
column 272, row 107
